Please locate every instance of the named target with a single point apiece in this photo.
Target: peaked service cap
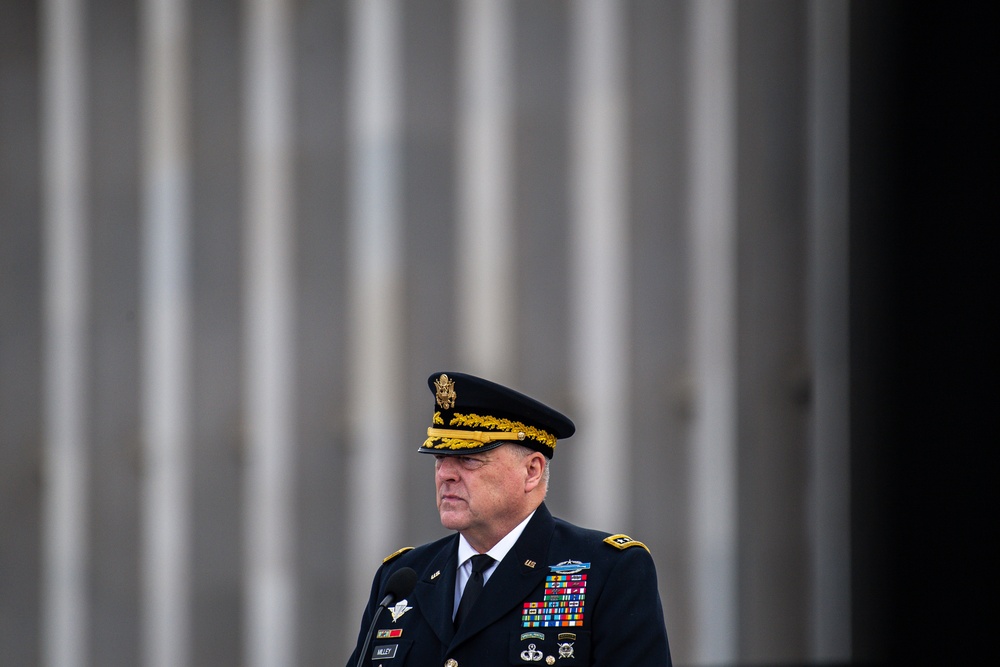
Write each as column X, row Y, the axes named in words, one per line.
column 475, row 415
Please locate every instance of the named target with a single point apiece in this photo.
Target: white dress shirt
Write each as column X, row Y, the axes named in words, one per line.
column 466, row 552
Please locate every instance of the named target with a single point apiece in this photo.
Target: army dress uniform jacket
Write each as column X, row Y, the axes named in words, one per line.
column 603, row 608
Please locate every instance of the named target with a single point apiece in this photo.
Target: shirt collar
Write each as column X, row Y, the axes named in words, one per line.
column 499, row 550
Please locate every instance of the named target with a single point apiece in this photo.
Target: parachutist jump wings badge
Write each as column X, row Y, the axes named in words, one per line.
column 399, row 610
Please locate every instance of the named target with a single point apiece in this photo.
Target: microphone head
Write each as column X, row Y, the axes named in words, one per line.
column 400, row 583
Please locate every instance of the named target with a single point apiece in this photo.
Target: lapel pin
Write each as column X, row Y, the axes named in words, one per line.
column 435, row 575
column 530, row 563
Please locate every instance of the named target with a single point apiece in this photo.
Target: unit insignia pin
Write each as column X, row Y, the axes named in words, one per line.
column 399, row 610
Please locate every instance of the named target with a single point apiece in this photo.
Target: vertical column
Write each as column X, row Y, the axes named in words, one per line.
column 64, row 206
column 600, row 264
column 486, row 256
column 165, row 336
column 269, row 297
column 713, row 330
column 829, row 481
column 375, row 285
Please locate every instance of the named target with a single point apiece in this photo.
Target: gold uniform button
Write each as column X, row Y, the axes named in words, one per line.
column 550, row 660
column 451, row 662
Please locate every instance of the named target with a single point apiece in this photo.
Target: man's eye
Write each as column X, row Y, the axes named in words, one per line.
column 470, row 463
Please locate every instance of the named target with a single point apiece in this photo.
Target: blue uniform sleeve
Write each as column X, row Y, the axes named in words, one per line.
column 628, row 625
column 366, row 618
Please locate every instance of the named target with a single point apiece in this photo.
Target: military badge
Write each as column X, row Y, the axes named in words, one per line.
column 531, row 654
column 445, row 392
column 562, row 605
column 399, row 610
column 623, row 542
column 569, row 567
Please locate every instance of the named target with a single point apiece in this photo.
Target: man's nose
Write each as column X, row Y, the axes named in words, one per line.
column 446, row 468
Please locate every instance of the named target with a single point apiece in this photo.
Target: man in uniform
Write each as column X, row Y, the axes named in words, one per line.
column 513, row 585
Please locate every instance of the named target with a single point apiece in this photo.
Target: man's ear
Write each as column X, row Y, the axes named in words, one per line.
column 535, row 471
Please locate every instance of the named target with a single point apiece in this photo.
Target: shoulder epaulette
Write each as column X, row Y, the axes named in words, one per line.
column 395, row 554
column 623, row 542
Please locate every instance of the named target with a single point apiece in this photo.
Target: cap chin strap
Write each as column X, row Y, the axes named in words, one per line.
column 479, row 436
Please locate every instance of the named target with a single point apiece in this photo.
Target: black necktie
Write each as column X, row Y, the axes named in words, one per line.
column 473, row 587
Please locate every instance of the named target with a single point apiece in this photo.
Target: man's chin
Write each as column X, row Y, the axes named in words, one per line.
column 452, row 519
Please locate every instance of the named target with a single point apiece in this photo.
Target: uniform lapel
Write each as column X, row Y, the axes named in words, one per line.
column 435, row 592
column 520, row 572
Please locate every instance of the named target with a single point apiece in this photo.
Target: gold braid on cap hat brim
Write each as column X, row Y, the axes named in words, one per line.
column 505, row 429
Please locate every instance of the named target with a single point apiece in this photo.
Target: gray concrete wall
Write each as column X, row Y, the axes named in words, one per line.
column 771, row 611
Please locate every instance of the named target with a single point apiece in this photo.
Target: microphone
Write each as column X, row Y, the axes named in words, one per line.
column 400, row 583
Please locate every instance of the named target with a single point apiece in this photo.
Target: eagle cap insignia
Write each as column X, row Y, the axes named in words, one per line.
column 444, row 392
